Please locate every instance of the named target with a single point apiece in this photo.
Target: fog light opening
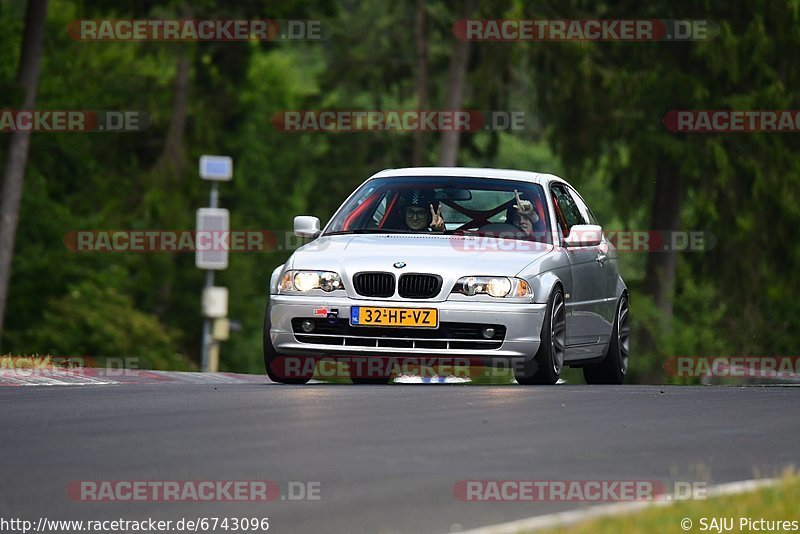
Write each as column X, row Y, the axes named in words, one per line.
column 307, row 326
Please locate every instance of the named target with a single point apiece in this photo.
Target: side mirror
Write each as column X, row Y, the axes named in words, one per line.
column 584, row 235
column 306, row 226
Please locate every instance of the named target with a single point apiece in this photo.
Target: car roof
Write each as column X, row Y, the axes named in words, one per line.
column 467, row 172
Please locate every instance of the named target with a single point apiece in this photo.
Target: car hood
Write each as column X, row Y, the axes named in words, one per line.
column 451, row 257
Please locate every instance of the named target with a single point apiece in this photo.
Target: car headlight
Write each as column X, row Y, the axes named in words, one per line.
column 304, row 281
column 495, row 286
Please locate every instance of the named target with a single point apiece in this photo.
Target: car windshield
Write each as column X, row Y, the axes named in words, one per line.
column 467, row 206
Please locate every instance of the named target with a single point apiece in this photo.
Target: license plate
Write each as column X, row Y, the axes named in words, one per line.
column 411, row 317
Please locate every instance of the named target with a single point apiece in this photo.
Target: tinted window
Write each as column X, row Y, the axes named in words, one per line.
column 584, row 209
column 567, row 211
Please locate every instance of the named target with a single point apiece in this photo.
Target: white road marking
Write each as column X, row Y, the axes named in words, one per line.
column 436, row 379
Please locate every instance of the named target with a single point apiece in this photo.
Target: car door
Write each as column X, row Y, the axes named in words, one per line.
column 586, row 297
column 607, row 258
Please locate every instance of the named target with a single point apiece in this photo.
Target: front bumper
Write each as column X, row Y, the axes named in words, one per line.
column 523, row 326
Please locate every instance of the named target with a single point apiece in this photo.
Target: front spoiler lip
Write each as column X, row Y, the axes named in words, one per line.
column 299, row 349
column 523, row 327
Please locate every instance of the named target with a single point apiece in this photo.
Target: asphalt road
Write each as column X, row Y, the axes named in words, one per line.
column 387, row 457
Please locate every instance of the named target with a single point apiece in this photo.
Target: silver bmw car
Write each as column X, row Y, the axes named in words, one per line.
column 499, row 267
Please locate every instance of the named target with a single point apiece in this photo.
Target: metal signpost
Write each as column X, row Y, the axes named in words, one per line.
column 213, row 220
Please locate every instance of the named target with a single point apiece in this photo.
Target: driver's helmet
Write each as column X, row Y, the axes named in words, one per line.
column 418, row 197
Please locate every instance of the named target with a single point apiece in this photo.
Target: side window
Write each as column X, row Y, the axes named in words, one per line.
column 567, row 210
column 584, row 209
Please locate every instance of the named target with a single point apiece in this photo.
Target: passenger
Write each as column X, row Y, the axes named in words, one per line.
column 524, row 215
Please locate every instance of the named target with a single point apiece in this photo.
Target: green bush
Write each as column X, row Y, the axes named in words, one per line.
column 95, row 320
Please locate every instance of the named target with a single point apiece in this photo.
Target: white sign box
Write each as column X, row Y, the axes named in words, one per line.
column 215, row 302
column 212, row 239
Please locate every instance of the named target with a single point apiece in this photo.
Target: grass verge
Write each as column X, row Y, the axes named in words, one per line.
column 743, row 512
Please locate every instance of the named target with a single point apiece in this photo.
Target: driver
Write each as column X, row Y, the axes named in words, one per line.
column 419, row 212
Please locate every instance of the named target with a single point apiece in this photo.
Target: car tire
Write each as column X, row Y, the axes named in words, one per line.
column 614, row 367
column 545, row 367
column 272, row 358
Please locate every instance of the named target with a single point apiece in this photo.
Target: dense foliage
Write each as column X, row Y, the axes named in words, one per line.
column 595, row 115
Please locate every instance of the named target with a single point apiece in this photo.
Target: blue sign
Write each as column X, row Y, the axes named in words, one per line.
column 216, row 168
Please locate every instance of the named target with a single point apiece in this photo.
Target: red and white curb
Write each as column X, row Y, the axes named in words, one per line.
column 97, row 377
